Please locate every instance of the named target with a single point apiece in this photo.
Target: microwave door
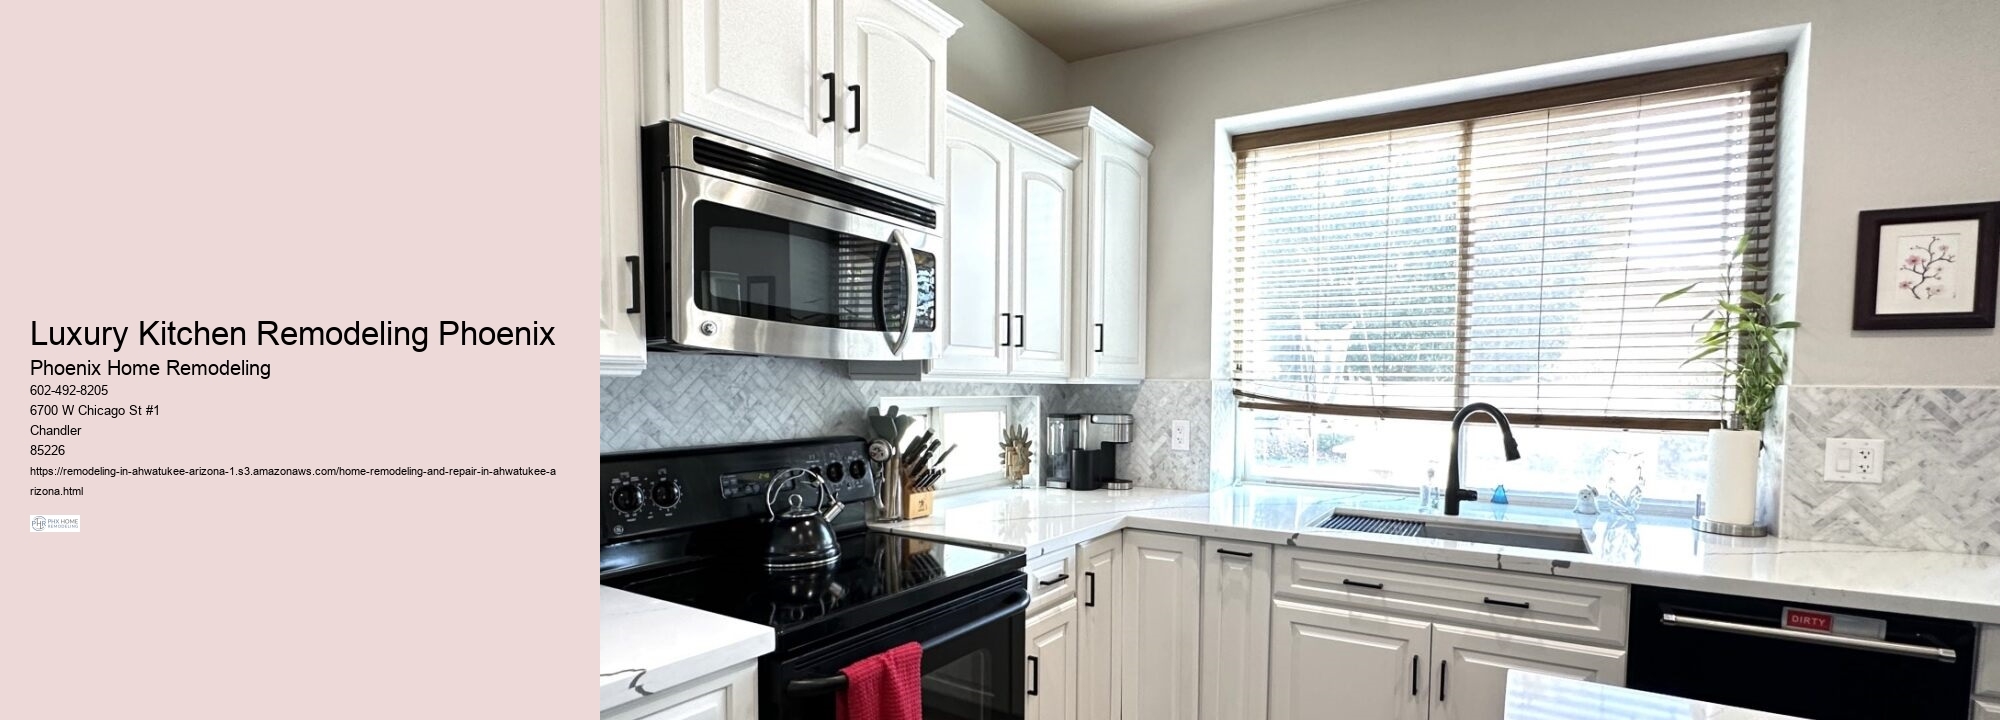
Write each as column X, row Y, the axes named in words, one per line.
column 755, row 271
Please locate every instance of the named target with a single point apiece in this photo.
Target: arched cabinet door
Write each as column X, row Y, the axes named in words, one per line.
column 1042, row 189
column 757, row 70
column 892, row 94
column 977, row 319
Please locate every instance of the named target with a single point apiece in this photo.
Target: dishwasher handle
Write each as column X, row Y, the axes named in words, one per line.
column 1927, row 652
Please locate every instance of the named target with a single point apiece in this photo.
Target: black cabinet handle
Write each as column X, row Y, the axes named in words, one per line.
column 1007, row 327
column 1054, row 580
column 1100, row 337
column 1507, row 603
column 1021, row 338
column 1371, row 586
column 1415, row 661
column 1233, row 553
column 855, row 127
column 1441, row 683
column 832, row 98
column 633, row 262
column 1090, row 579
column 1034, row 675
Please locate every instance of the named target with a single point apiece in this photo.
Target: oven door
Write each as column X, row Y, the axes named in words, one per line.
column 974, row 674
column 760, row 272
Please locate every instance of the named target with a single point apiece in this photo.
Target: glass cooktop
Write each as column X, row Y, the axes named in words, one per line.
column 879, row 575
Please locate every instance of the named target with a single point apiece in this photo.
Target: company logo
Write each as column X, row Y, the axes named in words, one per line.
column 55, row 523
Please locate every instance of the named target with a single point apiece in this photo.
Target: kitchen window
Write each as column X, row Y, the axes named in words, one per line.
column 975, row 424
column 1513, row 250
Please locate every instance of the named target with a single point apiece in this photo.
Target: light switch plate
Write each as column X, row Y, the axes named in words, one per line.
column 1181, row 433
column 1854, row 460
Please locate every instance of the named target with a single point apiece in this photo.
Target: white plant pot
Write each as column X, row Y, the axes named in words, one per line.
column 1732, row 477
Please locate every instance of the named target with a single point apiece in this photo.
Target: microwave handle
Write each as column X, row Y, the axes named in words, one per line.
column 910, row 294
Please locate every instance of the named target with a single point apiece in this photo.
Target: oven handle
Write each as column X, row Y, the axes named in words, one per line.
column 1926, row 652
column 909, row 291
column 821, row 686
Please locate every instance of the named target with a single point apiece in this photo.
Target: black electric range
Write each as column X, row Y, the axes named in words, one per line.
column 689, row 526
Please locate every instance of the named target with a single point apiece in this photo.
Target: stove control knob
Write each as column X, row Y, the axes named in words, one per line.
column 625, row 499
column 832, row 473
column 667, row 493
column 857, row 469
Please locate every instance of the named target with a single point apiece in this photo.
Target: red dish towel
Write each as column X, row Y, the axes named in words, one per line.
column 888, row 686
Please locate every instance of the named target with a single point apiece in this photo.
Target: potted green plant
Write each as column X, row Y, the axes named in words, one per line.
column 1742, row 340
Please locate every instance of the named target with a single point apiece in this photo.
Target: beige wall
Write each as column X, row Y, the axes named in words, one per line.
column 1904, row 106
column 998, row 67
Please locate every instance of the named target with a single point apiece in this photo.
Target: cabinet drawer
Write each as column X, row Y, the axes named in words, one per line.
column 1985, row 709
column 1987, row 682
column 1513, row 602
column 1052, row 578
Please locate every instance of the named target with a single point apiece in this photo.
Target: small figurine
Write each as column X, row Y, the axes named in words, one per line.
column 1015, row 453
column 1586, row 501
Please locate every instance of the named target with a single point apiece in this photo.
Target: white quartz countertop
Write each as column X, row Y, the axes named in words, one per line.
column 646, row 645
column 1534, row 696
column 1663, row 552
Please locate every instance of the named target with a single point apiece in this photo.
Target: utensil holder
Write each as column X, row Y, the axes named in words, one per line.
column 892, row 492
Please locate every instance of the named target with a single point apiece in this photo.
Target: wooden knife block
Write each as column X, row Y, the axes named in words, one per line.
column 917, row 504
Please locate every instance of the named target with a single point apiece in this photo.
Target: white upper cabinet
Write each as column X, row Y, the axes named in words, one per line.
column 621, row 333
column 972, row 329
column 1007, row 256
column 1110, row 273
column 892, row 73
column 1042, row 189
column 856, row 85
column 759, row 70
column 1472, row 665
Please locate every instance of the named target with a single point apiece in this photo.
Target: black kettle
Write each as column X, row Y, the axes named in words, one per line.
column 801, row 537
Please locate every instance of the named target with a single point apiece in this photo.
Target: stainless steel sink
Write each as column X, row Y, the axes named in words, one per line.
column 1541, row 537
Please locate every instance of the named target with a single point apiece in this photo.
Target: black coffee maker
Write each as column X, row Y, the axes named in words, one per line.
column 1082, row 450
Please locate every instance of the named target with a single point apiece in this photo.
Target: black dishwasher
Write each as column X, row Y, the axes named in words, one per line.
column 1812, row 661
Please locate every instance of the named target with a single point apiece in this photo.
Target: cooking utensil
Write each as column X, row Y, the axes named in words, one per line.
column 881, row 425
column 880, row 450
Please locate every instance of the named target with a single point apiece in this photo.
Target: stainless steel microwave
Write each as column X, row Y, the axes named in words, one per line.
column 748, row 251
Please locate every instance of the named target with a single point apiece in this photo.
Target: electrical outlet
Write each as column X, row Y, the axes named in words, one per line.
column 1181, row 433
column 1854, row 460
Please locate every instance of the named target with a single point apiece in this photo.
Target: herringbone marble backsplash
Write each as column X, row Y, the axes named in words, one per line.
column 1940, row 485
column 687, row 400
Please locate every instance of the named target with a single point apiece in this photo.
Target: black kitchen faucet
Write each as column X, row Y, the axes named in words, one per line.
column 1452, row 492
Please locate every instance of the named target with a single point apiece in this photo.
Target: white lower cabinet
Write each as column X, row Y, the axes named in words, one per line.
column 1161, row 613
column 727, row 695
column 1471, row 668
column 1051, row 670
column 1098, row 655
column 1235, row 629
column 1366, row 665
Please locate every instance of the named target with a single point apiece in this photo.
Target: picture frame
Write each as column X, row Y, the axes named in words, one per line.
column 1927, row 268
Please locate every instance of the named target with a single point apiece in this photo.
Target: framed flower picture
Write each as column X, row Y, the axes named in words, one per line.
column 1926, row 268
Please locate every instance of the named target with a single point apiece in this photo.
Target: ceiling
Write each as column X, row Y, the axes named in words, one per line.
column 1078, row 29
